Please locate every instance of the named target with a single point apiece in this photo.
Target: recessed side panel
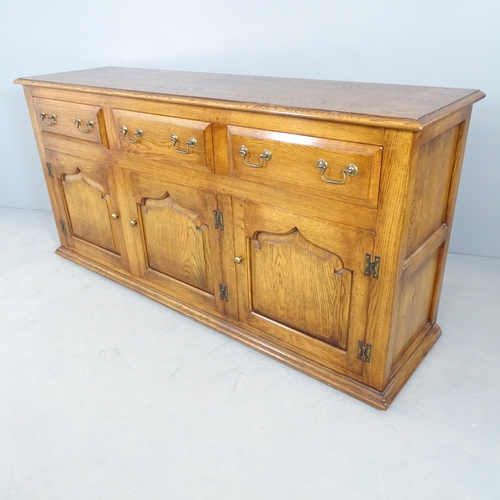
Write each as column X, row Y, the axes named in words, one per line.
column 432, row 186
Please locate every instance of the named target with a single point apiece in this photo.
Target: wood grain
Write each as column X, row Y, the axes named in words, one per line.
column 85, row 195
column 300, row 285
column 431, row 188
column 458, row 156
column 394, row 105
column 66, row 113
column 87, row 211
column 292, row 250
column 176, row 242
column 262, row 279
column 177, row 246
column 155, row 143
column 294, row 164
column 414, row 305
column 399, row 153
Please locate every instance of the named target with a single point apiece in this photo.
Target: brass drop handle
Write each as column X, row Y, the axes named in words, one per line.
column 115, row 216
column 238, row 259
column 133, row 223
column 86, row 128
column 48, row 120
column 351, row 170
column 265, row 156
column 192, row 143
column 137, row 135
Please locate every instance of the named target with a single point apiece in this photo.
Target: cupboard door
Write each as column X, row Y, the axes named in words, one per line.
column 301, row 280
column 87, row 201
column 177, row 245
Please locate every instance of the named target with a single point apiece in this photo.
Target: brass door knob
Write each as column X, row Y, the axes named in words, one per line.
column 115, row 216
column 238, row 260
column 133, row 223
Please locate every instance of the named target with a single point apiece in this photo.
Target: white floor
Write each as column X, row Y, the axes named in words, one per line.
column 105, row 394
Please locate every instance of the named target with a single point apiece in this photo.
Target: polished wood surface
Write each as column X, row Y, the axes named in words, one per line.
column 273, row 256
column 403, row 104
column 431, row 188
column 91, row 128
column 318, row 306
column 155, row 142
column 177, row 246
column 86, row 199
column 294, row 164
column 322, row 273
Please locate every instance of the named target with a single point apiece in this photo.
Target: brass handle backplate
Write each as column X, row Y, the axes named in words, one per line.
column 265, row 156
column 137, row 135
column 351, row 170
column 86, row 128
column 192, row 143
column 48, row 120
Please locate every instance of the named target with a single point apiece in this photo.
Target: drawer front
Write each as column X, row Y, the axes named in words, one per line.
column 349, row 171
column 80, row 121
column 172, row 140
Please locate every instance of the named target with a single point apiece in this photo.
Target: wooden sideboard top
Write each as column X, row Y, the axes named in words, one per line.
column 395, row 106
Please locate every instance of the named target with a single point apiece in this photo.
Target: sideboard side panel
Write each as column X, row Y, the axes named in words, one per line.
column 433, row 193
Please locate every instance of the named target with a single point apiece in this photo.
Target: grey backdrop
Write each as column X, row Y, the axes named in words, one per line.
column 451, row 43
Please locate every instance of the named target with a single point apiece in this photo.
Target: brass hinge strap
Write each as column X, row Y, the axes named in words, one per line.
column 63, row 226
column 372, row 267
column 49, row 169
column 223, row 292
column 364, row 351
column 218, row 220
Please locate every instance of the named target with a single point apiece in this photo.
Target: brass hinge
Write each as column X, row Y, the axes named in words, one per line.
column 364, row 351
column 224, row 294
column 372, row 267
column 218, row 220
column 63, row 226
column 49, row 169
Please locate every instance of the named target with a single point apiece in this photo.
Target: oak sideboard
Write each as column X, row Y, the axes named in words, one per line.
column 307, row 219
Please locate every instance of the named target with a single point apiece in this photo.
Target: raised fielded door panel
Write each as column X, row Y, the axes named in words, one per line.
column 177, row 243
column 302, row 280
column 90, row 219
